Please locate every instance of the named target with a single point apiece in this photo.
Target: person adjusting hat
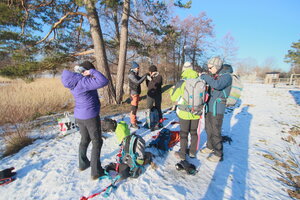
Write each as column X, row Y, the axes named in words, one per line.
column 83, row 84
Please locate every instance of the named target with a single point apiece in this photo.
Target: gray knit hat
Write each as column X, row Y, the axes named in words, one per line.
column 187, row 65
column 216, row 62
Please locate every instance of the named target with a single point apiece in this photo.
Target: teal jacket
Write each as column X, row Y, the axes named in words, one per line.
column 218, row 83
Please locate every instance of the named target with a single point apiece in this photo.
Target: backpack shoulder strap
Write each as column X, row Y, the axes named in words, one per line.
column 131, row 145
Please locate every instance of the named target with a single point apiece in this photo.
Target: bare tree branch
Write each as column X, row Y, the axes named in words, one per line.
column 34, row 7
column 84, row 53
column 60, row 21
column 139, row 20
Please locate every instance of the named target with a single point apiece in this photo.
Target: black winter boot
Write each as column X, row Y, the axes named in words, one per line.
column 188, row 167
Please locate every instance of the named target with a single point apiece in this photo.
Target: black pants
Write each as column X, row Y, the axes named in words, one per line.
column 213, row 128
column 186, row 127
column 90, row 130
column 155, row 101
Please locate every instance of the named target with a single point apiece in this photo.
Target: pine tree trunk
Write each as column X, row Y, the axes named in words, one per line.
column 122, row 52
column 99, row 47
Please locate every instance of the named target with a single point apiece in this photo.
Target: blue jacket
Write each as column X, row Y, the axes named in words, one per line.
column 84, row 90
column 218, row 83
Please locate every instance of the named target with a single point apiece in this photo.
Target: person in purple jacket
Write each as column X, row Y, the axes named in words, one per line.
column 83, row 84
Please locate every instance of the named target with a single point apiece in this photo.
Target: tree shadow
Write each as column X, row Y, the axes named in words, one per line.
column 296, row 95
column 232, row 171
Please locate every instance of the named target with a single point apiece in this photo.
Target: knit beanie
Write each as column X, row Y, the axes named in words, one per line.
column 87, row 65
column 216, row 62
column 152, row 68
column 187, row 65
column 134, row 65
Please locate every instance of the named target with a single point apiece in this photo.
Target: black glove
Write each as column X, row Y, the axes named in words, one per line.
column 7, row 173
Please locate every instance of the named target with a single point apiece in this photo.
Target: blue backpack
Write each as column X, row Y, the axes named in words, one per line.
column 152, row 118
column 165, row 139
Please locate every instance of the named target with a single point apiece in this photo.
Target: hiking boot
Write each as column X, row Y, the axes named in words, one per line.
column 101, row 173
column 95, row 177
column 83, row 168
column 191, row 155
column 206, row 150
column 214, row 158
column 134, row 126
column 179, row 156
column 188, row 167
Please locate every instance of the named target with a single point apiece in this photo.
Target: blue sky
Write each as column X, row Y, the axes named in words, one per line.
column 262, row 29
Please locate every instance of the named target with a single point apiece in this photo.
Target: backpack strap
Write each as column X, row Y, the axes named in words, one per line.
column 131, row 145
column 218, row 100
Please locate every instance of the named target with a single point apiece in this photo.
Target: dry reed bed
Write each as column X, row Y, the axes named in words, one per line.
column 21, row 102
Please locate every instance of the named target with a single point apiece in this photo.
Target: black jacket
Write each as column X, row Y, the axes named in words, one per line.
column 135, row 82
column 154, row 85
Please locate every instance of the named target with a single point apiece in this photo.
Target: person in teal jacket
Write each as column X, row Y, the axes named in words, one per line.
column 188, row 121
column 219, row 83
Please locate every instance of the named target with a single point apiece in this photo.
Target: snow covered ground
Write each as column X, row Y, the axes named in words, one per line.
column 48, row 169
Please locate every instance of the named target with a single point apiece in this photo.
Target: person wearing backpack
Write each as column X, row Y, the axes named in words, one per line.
column 219, row 82
column 132, row 156
column 135, row 82
column 154, row 94
column 187, row 120
column 83, row 84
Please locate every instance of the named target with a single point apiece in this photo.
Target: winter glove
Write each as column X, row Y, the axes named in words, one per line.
column 139, row 161
column 79, row 69
column 7, row 173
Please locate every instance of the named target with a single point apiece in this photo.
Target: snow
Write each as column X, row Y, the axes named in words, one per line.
column 48, row 169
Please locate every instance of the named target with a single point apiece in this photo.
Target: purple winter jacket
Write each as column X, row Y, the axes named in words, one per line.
column 84, row 90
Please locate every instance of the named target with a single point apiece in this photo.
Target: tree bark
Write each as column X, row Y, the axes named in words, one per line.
column 99, row 47
column 122, row 52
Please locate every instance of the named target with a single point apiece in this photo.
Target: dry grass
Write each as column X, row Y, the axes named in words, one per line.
column 5, row 80
column 295, row 131
column 21, row 102
column 15, row 139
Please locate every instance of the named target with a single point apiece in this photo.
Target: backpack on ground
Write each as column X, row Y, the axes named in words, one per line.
column 152, row 118
column 165, row 139
column 127, row 165
column 192, row 97
column 129, row 154
column 108, row 125
column 235, row 91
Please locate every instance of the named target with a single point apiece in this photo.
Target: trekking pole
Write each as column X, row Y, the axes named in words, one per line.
column 107, row 190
